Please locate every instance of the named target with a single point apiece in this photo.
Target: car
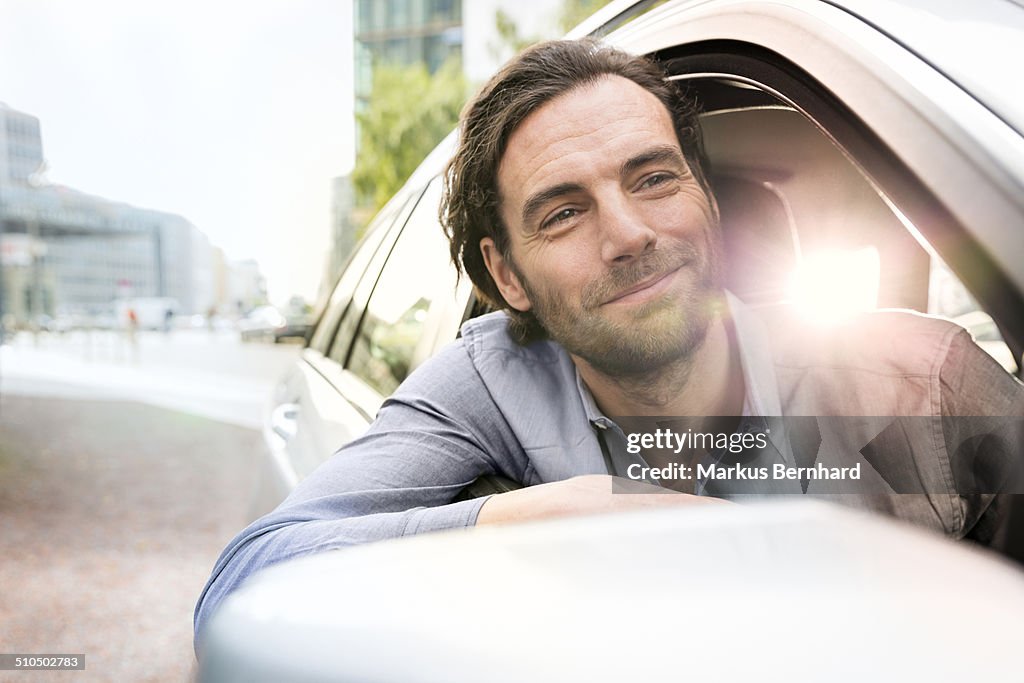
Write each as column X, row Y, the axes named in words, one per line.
column 266, row 323
column 864, row 155
column 779, row 592
column 854, row 157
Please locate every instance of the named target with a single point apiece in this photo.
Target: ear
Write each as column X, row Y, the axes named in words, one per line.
column 503, row 275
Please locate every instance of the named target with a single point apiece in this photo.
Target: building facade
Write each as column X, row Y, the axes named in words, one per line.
column 67, row 252
column 403, row 32
column 21, row 146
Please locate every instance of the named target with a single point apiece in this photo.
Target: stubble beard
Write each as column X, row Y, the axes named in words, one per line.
column 656, row 334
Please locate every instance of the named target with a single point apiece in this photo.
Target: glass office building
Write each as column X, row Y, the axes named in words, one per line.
column 404, row 32
column 67, row 252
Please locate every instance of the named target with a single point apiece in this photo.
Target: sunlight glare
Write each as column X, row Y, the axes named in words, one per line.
column 831, row 285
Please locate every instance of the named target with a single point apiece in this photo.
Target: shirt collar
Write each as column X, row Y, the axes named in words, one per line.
column 762, row 387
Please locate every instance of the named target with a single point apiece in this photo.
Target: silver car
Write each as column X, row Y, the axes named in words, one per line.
column 864, row 154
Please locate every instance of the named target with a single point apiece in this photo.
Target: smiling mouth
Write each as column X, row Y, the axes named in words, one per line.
column 646, row 288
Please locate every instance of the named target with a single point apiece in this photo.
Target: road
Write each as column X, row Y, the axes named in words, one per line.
column 121, row 478
column 200, row 372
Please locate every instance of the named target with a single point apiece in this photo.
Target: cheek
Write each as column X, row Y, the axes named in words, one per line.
column 700, row 204
column 561, row 273
column 688, row 214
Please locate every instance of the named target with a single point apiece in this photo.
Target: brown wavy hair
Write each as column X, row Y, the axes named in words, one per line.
column 470, row 202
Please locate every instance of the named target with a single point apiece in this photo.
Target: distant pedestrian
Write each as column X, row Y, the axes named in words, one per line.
column 168, row 315
column 132, row 329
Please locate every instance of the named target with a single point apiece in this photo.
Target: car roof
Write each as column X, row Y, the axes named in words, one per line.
column 975, row 44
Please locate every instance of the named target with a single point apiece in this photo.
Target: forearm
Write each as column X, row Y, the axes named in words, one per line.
column 583, row 495
column 428, row 442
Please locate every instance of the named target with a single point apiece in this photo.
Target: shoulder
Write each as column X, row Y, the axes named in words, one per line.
column 475, row 371
column 446, row 399
column 447, row 381
column 471, row 359
column 888, row 342
column 879, row 363
column 487, row 340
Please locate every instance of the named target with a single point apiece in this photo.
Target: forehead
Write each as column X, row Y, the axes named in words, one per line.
column 580, row 133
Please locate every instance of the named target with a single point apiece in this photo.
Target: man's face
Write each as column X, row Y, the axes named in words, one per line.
column 612, row 240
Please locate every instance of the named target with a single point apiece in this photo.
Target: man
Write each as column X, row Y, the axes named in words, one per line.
column 578, row 203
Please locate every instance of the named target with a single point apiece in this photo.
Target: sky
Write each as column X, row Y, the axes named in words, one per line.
column 235, row 115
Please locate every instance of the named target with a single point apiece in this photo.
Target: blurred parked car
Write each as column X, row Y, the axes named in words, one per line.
column 885, row 140
column 266, row 323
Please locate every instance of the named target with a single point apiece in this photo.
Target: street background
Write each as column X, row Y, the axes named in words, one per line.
column 123, row 473
column 172, row 180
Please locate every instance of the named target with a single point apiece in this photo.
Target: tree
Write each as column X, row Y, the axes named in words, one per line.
column 570, row 13
column 509, row 37
column 575, row 11
column 409, row 112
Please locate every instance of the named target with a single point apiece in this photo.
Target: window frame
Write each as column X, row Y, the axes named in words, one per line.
column 437, row 308
column 322, row 336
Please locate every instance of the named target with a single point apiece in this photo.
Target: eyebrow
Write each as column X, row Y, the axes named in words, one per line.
column 537, row 200
column 666, row 154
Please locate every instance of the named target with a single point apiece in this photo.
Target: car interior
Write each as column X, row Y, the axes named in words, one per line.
column 803, row 224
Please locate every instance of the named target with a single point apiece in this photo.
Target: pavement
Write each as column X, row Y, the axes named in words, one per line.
column 205, row 373
column 124, row 470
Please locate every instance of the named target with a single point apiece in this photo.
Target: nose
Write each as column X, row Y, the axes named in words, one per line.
column 625, row 234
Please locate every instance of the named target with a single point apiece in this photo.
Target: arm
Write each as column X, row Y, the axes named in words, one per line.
column 438, row 433
column 983, row 430
column 583, row 495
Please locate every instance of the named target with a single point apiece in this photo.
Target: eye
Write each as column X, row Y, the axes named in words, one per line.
column 561, row 217
column 656, row 179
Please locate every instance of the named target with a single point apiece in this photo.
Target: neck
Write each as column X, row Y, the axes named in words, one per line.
column 705, row 383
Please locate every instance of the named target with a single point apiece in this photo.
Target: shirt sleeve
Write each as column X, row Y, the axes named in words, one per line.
column 439, row 432
column 983, row 430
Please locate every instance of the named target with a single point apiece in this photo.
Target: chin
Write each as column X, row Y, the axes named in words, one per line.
column 640, row 346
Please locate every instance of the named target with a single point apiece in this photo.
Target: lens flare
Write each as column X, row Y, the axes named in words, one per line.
column 831, row 285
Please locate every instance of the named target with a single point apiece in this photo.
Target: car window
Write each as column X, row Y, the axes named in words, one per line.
column 811, row 218
column 393, row 334
column 350, row 277
column 364, row 280
column 948, row 297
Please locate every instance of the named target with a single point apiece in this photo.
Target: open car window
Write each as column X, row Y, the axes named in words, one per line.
column 809, row 221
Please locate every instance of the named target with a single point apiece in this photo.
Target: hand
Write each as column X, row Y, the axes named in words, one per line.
column 584, row 495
